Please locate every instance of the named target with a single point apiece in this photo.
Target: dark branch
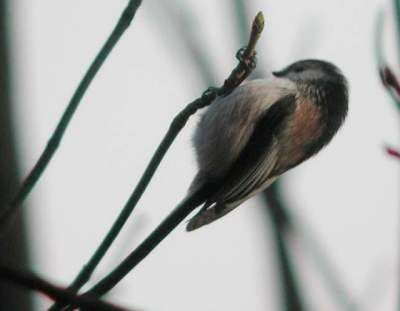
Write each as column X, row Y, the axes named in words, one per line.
column 33, row 282
column 241, row 72
column 58, row 134
column 14, row 246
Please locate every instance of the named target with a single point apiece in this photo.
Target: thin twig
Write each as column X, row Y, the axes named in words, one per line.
column 53, row 143
column 241, row 72
column 85, row 274
column 33, row 282
column 237, row 76
column 241, row 12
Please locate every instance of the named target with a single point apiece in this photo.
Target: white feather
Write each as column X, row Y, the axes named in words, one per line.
column 226, row 126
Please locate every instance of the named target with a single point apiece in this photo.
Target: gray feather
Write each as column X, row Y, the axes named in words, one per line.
column 246, row 140
column 226, row 126
column 223, row 133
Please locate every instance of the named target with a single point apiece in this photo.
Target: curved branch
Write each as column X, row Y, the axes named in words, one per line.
column 241, row 72
column 54, row 141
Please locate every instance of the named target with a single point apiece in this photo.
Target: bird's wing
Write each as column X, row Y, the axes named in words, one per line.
column 252, row 171
column 227, row 125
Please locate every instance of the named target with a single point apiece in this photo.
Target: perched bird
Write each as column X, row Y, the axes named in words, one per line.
column 246, row 140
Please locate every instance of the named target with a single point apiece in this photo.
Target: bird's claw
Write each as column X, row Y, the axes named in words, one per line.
column 249, row 62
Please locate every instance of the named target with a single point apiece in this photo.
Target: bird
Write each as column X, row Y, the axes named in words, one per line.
column 265, row 127
column 246, row 139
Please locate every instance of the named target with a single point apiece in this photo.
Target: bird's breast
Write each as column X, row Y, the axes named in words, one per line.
column 301, row 130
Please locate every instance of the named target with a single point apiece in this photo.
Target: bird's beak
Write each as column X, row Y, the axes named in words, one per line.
column 278, row 73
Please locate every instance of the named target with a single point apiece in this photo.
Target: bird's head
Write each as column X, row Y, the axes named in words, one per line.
column 319, row 80
column 310, row 71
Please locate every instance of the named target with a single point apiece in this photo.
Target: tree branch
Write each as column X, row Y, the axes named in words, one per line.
column 246, row 65
column 14, row 246
column 33, row 282
column 54, row 141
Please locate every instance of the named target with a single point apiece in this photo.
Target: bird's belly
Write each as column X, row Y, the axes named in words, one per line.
column 302, row 131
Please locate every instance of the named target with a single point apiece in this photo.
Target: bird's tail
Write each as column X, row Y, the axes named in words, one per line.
column 194, row 199
column 178, row 214
column 205, row 215
column 209, row 213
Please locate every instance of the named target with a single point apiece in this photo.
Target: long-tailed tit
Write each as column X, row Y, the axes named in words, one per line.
column 246, row 140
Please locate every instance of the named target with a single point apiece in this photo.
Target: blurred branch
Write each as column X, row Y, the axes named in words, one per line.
column 13, row 245
column 388, row 78
column 242, row 20
column 324, row 265
column 397, row 18
column 391, row 83
column 393, row 152
column 33, row 282
column 187, row 30
column 379, row 25
column 246, row 65
column 285, row 223
column 54, row 141
column 291, row 294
